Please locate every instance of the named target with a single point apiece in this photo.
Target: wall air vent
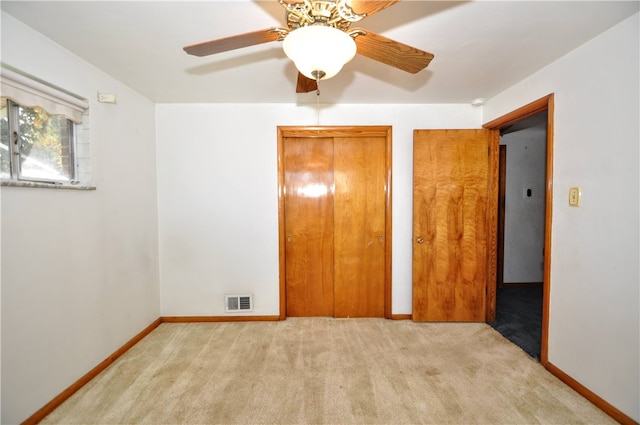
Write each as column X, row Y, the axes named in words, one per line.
column 238, row 303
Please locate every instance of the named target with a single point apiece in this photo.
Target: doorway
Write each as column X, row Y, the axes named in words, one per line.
column 335, row 221
column 524, row 257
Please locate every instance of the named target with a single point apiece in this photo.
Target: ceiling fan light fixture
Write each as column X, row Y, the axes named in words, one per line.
column 319, row 48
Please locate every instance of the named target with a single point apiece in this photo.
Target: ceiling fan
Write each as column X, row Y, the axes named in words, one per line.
column 319, row 40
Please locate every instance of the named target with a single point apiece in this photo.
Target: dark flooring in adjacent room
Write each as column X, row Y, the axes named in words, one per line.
column 519, row 317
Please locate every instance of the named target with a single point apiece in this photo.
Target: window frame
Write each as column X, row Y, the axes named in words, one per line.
column 16, row 158
column 22, row 90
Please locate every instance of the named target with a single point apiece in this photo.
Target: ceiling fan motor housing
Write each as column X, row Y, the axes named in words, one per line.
column 332, row 13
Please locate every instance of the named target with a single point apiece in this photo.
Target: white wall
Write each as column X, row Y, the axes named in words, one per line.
column 524, row 215
column 594, row 321
column 79, row 268
column 218, row 198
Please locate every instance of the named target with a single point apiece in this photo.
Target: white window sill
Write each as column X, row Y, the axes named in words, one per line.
column 16, row 183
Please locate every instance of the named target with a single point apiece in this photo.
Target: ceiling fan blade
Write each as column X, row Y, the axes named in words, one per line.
column 305, row 85
column 369, row 7
column 234, row 42
column 390, row 52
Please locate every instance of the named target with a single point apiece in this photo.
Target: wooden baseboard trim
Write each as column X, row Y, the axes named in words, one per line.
column 590, row 395
column 64, row 395
column 401, row 317
column 194, row 319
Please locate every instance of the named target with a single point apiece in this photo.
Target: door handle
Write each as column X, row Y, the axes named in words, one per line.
column 419, row 239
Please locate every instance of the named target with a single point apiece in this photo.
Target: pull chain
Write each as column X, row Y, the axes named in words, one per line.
column 318, row 102
column 318, row 75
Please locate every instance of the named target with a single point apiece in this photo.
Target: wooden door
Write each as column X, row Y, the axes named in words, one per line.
column 359, row 226
column 452, row 218
column 308, row 165
column 335, row 221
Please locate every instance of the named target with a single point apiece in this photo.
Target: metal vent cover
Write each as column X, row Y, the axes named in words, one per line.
column 238, row 303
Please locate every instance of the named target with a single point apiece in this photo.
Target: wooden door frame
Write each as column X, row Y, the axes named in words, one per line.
column 502, row 185
column 334, row 131
column 540, row 105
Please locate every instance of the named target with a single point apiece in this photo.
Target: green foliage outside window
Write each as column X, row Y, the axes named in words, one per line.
column 44, row 144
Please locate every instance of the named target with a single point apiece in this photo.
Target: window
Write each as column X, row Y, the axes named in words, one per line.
column 35, row 146
column 39, row 125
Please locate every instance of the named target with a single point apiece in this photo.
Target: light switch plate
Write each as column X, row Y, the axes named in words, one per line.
column 574, row 196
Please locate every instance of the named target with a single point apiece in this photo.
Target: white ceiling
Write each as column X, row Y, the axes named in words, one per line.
column 480, row 47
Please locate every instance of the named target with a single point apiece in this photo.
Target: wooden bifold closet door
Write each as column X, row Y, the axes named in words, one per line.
column 334, row 221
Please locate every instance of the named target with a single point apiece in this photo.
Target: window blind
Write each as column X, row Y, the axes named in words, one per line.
column 31, row 92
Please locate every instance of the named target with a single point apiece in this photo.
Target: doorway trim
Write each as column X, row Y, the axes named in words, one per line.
column 334, row 131
column 502, row 176
column 540, row 105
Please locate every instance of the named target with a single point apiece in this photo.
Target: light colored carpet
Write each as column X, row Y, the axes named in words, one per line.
column 326, row 371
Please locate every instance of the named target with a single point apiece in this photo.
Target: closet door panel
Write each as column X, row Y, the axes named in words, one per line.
column 308, row 178
column 359, row 226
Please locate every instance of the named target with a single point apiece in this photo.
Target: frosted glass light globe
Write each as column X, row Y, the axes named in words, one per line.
column 319, row 48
